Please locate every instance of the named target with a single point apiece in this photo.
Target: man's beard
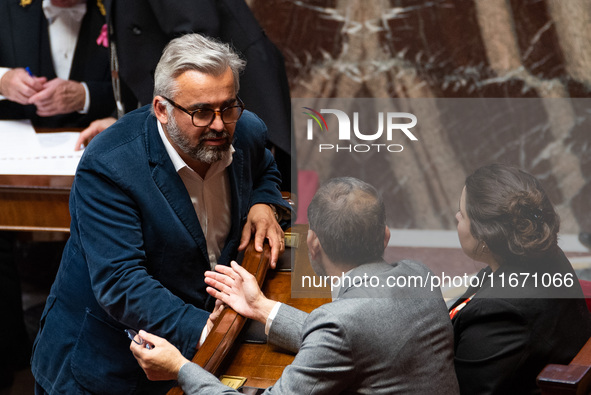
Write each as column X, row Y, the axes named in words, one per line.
column 202, row 153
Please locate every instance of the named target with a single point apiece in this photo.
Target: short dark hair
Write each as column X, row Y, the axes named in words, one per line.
column 509, row 210
column 349, row 218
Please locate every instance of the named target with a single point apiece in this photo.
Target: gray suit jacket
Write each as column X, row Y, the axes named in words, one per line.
column 372, row 340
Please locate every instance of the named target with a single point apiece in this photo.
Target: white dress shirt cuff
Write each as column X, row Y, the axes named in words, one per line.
column 86, row 99
column 3, row 70
column 271, row 317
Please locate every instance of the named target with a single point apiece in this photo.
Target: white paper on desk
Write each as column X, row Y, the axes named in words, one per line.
column 22, row 151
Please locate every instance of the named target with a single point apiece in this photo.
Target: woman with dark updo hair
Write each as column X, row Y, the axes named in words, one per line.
column 528, row 308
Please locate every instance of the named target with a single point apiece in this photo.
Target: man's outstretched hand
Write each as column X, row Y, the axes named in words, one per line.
column 239, row 289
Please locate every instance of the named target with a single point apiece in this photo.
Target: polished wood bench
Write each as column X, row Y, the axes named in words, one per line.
column 35, row 203
column 574, row 378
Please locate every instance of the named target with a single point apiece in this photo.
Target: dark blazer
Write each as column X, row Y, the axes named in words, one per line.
column 24, row 42
column 383, row 340
column 136, row 256
column 506, row 335
column 142, row 28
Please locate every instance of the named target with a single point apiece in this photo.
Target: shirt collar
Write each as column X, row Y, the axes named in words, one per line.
column 179, row 163
column 76, row 12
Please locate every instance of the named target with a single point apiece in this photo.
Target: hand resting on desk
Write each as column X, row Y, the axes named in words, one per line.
column 92, row 131
column 262, row 224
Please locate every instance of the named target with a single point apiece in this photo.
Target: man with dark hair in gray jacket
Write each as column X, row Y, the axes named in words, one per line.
column 375, row 337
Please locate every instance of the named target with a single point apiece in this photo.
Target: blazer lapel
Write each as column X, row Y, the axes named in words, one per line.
column 171, row 185
column 85, row 44
column 236, row 171
column 108, row 5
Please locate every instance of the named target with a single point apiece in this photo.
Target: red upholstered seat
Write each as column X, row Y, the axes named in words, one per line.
column 307, row 186
column 586, row 286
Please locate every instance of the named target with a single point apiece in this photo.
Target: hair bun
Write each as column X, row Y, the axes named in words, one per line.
column 510, row 211
column 533, row 229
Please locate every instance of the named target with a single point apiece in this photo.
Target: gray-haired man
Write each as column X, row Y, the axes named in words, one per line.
column 159, row 198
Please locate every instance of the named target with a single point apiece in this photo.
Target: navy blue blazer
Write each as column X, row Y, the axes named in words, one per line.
column 137, row 255
column 24, row 42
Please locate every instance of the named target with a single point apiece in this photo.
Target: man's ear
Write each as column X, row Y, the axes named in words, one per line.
column 314, row 246
column 160, row 109
column 386, row 237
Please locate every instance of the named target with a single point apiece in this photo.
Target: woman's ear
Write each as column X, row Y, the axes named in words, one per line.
column 483, row 248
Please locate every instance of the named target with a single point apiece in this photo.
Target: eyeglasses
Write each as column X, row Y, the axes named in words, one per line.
column 205, row 116
column 137, row 339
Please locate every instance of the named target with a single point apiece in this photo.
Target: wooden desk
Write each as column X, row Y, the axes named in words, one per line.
column 35, row 203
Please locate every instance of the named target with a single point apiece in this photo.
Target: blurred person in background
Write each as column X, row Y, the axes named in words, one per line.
column 54, row 70
column 54, row 62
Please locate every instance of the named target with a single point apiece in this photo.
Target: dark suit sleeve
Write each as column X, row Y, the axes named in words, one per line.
column 491, row 339
column 91, row 64
column 111, row 236
column 102, row 101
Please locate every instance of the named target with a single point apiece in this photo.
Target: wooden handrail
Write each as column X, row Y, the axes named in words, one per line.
column 229, row 324
column 574, row 378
